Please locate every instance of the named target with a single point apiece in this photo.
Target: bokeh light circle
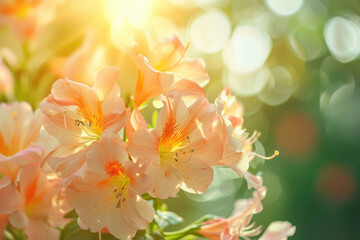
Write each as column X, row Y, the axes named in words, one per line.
column 249, row 84
column 297, row 135
column 210, row 31
column 284, row 7
column 279, row 87
column 247, row 50
column 336, row 183
column 342, row 36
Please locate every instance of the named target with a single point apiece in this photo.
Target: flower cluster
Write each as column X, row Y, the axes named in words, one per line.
column 89, row 149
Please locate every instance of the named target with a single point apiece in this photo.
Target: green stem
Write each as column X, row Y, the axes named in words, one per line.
column 188, row 230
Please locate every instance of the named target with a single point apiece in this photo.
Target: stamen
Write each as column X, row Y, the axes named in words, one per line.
column 65, row 120
column 276, row 152
column 184, row 152
column 255, row 136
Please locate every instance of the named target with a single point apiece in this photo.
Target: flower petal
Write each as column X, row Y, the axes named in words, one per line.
column 278, row 231
column 105, row 83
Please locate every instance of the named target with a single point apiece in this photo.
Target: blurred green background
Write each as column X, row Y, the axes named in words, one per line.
column 295, row 66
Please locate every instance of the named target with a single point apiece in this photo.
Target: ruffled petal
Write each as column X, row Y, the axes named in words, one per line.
column 38, row 230
column 278, row 231
column 105, row 83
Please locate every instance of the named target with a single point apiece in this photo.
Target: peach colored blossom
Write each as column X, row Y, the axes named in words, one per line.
column 231, row 108
column 107, row 193
column 32, row 204
column 150, row 82
column 278, row 231
column 238, row 150
column 181, row 147
column 238, row 225
column 19, row 133
column 78, row 115
column 83, row 64
column 157, row 59
column 27, row 17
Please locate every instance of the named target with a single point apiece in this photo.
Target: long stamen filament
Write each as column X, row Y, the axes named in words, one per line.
column 276, row 152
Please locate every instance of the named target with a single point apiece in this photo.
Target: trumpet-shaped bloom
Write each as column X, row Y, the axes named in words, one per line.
column 26, row 18
column 78, row 115
column 238, row 224
column 83, row 64
column 19, row 133
column 181, row 147
column 19, row 130
column 163, row 67
column 33, row 205
column 107, row 193
column 238, row 151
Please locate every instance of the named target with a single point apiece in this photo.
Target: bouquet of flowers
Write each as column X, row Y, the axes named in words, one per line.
column 89, row 163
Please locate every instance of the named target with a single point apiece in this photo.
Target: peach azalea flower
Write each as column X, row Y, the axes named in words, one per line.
column 181, row 147
column 107, row 193
column 238, row 150
column 78, row 115
column 33, row 205
column 163, row 67
column 19, row 133
column 83, row 64
column 27, row 17
column 238, row 224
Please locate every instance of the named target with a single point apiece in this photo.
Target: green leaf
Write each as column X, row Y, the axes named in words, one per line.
column 72, row 231
column 259, row 149
column 154, row 118
column 1, row 176
column 82, row 234
column 71, row 214
column 70, row 228
column 164, row 219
